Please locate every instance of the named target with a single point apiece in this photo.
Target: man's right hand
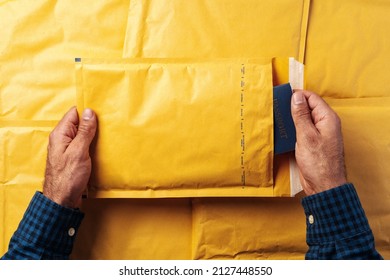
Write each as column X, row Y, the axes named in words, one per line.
column 319, row 149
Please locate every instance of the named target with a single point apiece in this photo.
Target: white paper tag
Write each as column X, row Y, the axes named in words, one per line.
column 296, row 78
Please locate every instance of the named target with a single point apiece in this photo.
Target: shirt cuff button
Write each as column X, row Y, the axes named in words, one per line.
column 311, row 219
column 71, row 231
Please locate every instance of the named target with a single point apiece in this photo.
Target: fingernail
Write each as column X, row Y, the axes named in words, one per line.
column 298, row 98
column 87, row 114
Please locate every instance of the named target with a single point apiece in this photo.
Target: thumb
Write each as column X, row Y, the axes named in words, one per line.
column 86, row 130
column 301, row 113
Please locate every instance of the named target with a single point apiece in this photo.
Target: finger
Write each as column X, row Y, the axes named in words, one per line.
column 86, row 131
column 324, row 117
column 70, row 117
column 301, row 114
column 65, row 131
column 318, row 106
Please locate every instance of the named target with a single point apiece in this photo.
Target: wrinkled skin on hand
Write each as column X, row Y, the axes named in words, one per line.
column 319, row 150
column 68, row 165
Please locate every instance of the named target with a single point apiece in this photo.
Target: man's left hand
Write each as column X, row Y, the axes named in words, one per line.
column 68, row 165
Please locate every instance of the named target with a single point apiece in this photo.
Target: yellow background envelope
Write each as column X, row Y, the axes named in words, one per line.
column 216, row 28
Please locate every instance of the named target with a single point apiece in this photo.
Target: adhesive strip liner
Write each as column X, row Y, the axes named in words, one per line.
column 171, row 128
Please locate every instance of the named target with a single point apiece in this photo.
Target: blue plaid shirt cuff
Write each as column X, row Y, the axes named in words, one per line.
column 337, row 227
column 47, row 231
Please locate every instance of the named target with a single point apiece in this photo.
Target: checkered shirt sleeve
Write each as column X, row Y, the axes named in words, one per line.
column 47, row 231
column 337, row 227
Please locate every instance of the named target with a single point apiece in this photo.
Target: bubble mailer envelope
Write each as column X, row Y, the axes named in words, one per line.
column 171, row 128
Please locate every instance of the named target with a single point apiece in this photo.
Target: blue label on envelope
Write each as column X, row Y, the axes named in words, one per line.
column 284, row 129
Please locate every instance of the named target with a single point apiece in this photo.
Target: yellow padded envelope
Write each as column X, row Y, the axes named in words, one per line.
column 180, row 128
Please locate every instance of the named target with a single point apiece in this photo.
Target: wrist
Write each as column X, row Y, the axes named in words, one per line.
column 328, row 184
column 62, row 201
